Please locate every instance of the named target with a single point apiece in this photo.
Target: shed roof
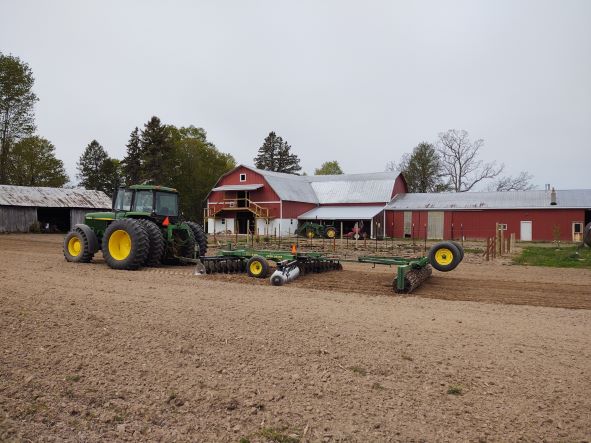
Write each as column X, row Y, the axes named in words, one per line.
column 565, row 199
column 342, row 213
column 53, row 197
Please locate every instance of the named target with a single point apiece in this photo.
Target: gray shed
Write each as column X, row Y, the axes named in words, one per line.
column 21, row 206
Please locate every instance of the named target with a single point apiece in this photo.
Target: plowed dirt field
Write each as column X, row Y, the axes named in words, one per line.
column 489, row 352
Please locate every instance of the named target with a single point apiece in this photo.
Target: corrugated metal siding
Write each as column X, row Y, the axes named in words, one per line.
column 345, row 191
column 342, row 213
column 77, row 215
column 53, row 197
column 16, row 219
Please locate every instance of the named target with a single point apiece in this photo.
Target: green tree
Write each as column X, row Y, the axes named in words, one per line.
column 329, row 168
column 96, row 170
column 35, row 164
column 131, row 165
column 423, row 170
column 199, row 164
column 275, row 155
column 17, row 100
column 157, row 153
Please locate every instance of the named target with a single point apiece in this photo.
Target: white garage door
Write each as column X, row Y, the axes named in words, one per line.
column 435, row 225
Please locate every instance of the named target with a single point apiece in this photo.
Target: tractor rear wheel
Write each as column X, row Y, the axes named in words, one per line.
column 156, row 241
column 125, row 244
column 200, row 237
column 444, row 256
column 77, row 247
column 257, row 267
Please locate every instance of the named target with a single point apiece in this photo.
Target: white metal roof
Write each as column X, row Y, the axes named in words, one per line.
column 326, row 189
column 578, row 198
column 53, row 197
column 238, row 187
column 342, row 213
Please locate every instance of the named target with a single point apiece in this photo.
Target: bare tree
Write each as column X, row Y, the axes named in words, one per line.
column 521, row 182
column 391, row 167
column 460, row 160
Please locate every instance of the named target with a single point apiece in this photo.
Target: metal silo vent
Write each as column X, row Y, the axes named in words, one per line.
column 553, row 197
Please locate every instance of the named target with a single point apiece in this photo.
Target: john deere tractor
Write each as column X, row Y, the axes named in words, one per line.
column 311, row 230
column 144, row 228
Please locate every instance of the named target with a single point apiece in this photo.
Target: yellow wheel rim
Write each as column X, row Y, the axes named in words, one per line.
column 310, row 234
column 119, row 245
column 444, row 256
column 74, row 246
column 330, row 233
column 256, row 268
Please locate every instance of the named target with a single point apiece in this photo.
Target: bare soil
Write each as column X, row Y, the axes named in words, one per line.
column 92, row 354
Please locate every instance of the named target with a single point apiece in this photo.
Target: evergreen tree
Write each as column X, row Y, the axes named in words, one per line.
column 96, row 170
column 423, row 169
column 157, row 153
column 17, row 99
column 34, row 164
column 275, row 155
column 329, row 168
column 132, row 163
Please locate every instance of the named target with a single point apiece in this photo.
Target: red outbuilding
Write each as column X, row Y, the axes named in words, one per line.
column 531, row 215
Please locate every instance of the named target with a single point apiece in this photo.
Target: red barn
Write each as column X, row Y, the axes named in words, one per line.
column 270, row 203
column 530, row 215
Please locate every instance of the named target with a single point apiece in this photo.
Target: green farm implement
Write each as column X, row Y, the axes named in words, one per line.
column 144, row 228
column 316, row 230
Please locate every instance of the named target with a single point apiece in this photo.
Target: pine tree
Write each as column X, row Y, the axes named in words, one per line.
column 157, row 153
column 96, row 170
column 132, row 163
column 275, row 155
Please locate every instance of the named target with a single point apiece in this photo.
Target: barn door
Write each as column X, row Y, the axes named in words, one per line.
column 407, row 224
column 526, row 231
column 435, row 225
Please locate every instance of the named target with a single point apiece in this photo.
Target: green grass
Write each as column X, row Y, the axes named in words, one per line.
column 277, row 436
column 564, row 257
column 358, row 370
column 454, row 390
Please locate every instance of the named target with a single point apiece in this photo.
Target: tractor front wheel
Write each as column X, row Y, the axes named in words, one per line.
column 257, row 267
column 444, row 256
column 125, row 244
column 77, row 247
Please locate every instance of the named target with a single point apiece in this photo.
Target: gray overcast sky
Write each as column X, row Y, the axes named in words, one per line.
column 360, row 82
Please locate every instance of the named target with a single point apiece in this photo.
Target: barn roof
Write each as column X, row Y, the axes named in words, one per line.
column 342, row 213
column 53, row 197
column 573, row 198
column 326, row 189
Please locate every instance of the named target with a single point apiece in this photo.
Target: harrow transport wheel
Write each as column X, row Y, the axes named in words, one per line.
column 200, row 237
column 257, row 267
column 444, row 256
column 77, row 247
column 460, row 248
column 125, row 244
column 331, row 232
column 156, row 241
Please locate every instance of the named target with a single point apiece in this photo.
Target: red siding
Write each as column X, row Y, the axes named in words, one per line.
column 294, row 209
column 481, row 224
column 400, row 185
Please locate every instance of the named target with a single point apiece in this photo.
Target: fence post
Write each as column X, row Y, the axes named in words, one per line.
column 487, row 248
column 425, row 251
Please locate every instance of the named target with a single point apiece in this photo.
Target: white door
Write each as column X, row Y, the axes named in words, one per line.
column 526, row 230
column 407, row 224
column 435, row 225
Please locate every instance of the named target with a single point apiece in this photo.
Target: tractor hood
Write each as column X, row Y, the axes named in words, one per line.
column 100, row 216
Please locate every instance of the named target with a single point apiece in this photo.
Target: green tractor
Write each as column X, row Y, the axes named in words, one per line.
column 144, row 228
column 312, row 230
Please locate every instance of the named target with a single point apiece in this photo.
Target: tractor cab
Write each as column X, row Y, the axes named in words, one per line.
column 156, row 202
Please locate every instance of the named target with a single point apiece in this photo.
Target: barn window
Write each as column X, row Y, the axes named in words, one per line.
column 242, row 177
column 223, row 221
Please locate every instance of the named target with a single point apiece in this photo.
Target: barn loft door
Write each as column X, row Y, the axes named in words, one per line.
column 435, row 225
column 407, row 224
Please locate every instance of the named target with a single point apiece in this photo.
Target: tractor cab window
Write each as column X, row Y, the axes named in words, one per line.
column 143, row 201
column 167, row 203
column 123, row 200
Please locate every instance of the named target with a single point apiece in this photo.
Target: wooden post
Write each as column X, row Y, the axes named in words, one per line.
column 487, row 248
column 425, row 239
column 334, row 244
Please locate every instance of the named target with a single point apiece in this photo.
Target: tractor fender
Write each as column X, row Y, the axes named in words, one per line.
column 90, row 235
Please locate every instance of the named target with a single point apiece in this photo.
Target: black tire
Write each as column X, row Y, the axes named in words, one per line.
column 460, row 248
column 200, row 237
column 257, row 267
column 77, row 247
column 187, row 249
column 156, row 241
column 444, row 256
column 587, row 235
column 139, row 244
